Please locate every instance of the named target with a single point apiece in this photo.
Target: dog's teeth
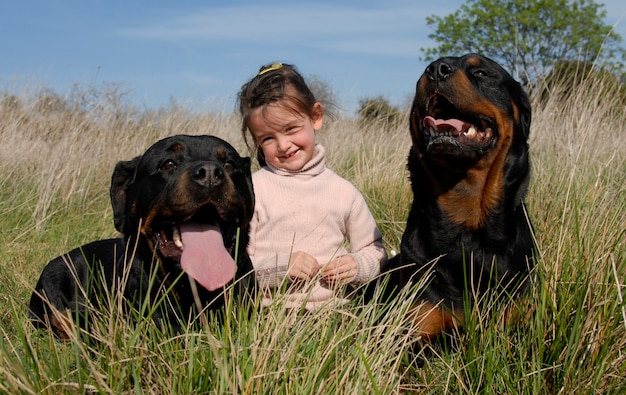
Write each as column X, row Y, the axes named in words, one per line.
column 471, row 132
column 178, row 242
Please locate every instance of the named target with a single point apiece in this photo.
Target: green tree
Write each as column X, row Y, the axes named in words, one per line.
column 528, row 37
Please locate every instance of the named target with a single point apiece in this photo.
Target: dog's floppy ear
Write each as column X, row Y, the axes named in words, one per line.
column 123, row 176
column 525, row 110
column 247, row 163
column 522, row 101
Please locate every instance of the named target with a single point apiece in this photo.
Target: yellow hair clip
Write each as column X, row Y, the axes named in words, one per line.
column 274, row 66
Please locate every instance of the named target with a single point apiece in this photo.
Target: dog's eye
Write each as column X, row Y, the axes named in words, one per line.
column 229, row 166
column 480, row 73
column 168, row 165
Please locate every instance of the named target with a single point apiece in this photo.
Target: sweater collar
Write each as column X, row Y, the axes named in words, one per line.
column 314, row 167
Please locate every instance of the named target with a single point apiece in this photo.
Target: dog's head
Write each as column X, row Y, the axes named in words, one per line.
column 185, row 198
column 467, row 109
column 469, row 125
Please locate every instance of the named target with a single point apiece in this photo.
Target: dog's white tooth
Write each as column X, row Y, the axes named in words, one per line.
column 471, row 132
column 178, row 242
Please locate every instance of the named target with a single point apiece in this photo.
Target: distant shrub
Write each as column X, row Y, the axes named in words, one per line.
column 10, row 102
column 49, row 102
column 567, row 77
column 324, row 93
column 378, row 110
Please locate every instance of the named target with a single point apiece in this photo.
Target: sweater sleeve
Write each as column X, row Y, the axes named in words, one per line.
column 365, row 241
column 270, row 271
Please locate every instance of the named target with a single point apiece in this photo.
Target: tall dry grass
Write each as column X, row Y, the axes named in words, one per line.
column 56, row 158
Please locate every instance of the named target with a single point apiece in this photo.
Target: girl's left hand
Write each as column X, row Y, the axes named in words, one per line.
column 339, row 270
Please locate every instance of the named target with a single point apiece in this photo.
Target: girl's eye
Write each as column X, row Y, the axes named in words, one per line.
column 229, row 166
column 265, row 140
column 292, row 129
column 168, row 165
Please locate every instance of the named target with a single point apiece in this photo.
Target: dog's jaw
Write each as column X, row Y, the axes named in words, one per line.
column 449, row 130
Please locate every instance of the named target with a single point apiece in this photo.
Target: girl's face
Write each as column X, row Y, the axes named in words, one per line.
column 287, row 137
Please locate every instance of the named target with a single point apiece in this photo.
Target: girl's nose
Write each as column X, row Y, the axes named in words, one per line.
column 283, row 143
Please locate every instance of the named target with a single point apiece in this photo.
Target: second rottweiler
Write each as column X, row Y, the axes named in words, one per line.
column 183, row 208
column 467, row 231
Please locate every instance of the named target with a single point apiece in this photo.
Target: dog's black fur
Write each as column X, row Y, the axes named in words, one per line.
column 199, row 179
column 469, row 169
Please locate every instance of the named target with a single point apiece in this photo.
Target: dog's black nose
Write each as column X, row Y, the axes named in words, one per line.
column 208, row 174
column 439, row 70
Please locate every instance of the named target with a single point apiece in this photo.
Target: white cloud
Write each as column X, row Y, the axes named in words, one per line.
column 340, row 28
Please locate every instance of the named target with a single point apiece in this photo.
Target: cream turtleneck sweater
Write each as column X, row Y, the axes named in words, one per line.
column 315, row 211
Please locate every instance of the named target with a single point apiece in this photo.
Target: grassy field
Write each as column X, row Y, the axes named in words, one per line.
column 56, row 159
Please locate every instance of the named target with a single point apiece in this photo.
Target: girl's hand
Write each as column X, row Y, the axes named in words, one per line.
column 302, row 266
column 340, row 270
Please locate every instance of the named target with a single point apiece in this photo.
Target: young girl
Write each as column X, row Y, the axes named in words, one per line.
column 310, row 226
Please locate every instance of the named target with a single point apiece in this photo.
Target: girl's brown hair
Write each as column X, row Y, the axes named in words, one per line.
column 274, row 82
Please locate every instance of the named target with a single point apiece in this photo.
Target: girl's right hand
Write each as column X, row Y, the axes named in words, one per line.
column 302, row 266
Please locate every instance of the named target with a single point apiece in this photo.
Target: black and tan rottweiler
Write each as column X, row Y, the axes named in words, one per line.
column 183, row 208
column 469, row 169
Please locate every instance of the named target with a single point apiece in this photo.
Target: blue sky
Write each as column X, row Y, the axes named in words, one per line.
column 200, row 52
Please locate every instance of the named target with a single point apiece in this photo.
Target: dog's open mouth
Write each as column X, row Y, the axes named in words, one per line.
column 440, row 130
column 446, row 125
column 202, row 246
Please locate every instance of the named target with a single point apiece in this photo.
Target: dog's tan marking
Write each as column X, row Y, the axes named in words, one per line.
column 430, row 320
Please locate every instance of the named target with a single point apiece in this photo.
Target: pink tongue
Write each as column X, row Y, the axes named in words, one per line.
column 204, row 256
column 445, row 124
